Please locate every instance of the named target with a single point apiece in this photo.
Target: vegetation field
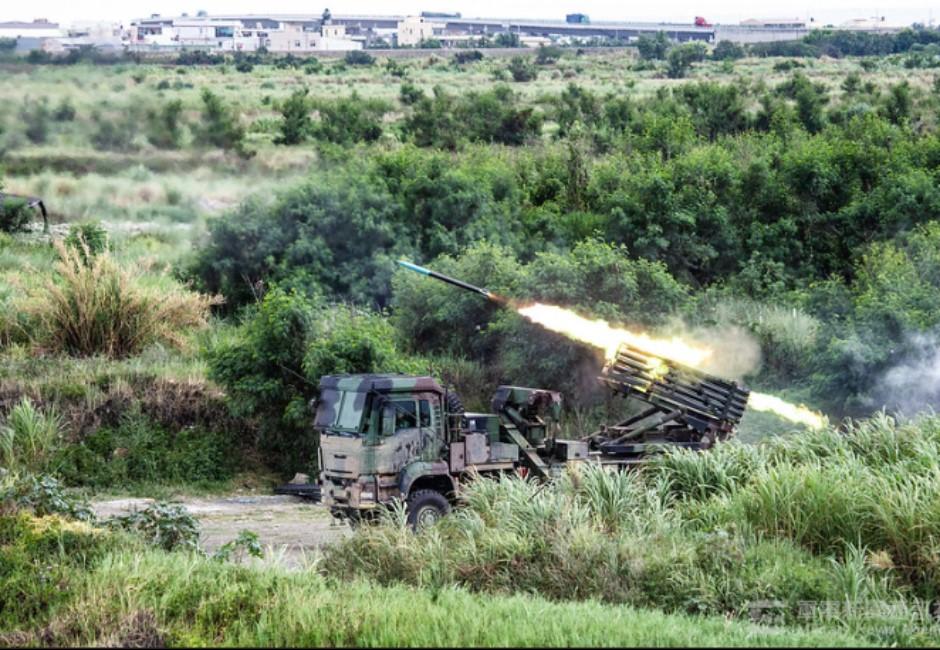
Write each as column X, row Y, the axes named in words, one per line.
column 224, row 232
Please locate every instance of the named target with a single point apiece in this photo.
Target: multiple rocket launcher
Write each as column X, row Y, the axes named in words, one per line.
column 686, row 405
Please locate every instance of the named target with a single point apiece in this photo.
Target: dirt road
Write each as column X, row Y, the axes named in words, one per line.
column 290, row 529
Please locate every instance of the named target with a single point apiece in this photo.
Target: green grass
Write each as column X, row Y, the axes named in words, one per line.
column 844, row 517
column 190, row 600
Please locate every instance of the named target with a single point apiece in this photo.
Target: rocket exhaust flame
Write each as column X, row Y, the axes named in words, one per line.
column 799, row 414
column 602, row 335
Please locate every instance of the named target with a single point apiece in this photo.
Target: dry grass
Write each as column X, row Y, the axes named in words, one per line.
column 102, row 308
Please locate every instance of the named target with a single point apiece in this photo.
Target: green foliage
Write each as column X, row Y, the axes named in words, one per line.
column 28, row 436
column 492, row 116
column 246, row 543
column 548, row 54
column 522, row 69
column 14, row 214
column 681, row 57
column 653, row 47
column 358, row 57
column 102, row 308
column 166, row 596
column 467, row 56
column 43, row 495
column 727, row 51
column 163, row 525
column 36, row 116
column 115, row 132
column 164, row 127
column 295, row 118
column 348, row 120
column 220, row 127
column 139, row 451
column 409, row 94
column 272, row 363
column 88, row 239
column 39, row 564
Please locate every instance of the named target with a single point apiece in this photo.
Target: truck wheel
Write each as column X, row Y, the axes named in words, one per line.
column 425, row 508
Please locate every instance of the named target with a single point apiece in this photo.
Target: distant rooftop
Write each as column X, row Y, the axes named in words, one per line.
column 36, row 24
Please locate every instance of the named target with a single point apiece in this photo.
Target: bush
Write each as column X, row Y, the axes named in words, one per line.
column 468, row 56
column 36, row 116
column 100, row 308
column 164, row 128
column 681, row 58
column 490, row 116
column 115, row 132
column 350, row 119
column 164, row 525
column 727, row 51
column 522, row 69
column 358, row 57
column 89, row 239
column 548, row 54
column 272, row 364
column 220, row 127
column 14, row 214
column 64, row 112
column 295, row 122
column 139, row 451
column 653, row 47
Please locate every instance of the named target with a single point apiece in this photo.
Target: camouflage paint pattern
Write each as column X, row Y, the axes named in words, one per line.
column 369, row 462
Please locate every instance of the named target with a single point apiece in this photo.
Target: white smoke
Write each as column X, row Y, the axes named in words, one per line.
column 913, row 385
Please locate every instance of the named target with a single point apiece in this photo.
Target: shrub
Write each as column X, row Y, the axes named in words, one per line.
column 350, row 119
column 295, row 122
column 115, row 132
column 271, row 365
column 469, row 56
column 220, row 127
column 358, row 57
column 548, row 54
column 653, row 47
column 43, row 495
column 14, row 214
column 164, row 128
column 89, row 239
column 727, row 51
column 410, row 94
column 36, row 116
column 64, row 112
column 140, row 451
column 522, row 69
column 681, row 58
column 164, row 525
column 101, row 308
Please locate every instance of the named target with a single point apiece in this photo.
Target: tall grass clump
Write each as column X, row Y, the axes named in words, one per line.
column 846, row 516
column 98, row 307
column 28, row 437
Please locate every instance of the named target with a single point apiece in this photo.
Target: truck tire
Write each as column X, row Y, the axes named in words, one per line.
column 425, row 508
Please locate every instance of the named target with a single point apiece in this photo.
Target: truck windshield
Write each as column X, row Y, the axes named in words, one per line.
column 339, row 409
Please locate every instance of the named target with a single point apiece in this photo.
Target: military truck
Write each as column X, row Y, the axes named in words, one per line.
column 388, row 437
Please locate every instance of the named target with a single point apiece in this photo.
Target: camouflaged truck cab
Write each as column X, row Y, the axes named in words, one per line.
column 387, row 437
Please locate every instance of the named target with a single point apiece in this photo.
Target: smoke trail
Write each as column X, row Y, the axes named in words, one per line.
column 913, row 385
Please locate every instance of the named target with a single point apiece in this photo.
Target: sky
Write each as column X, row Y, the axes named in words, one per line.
column 896, row 12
